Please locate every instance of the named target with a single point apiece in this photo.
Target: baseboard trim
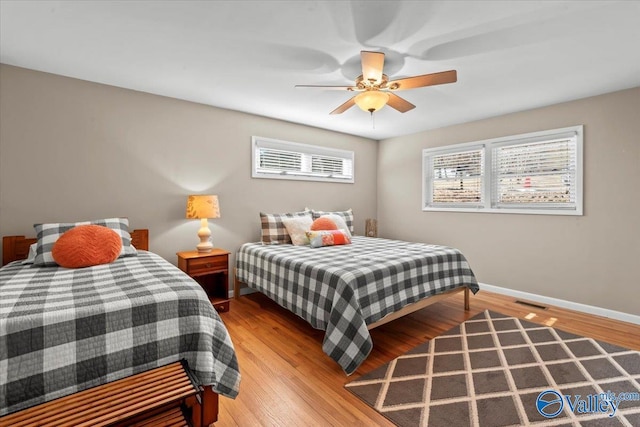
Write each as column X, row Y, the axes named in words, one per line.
column 590, row 309
column 244, row 291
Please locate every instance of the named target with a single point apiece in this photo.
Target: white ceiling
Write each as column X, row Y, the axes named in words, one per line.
column 248, row 55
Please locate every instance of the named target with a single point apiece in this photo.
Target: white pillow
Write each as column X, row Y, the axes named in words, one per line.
column 297, row 228
column 32, row 254
column 339, row 222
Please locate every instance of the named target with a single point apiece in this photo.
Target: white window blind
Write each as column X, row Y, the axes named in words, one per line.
column 538, row 173
column 456, row 178
column 291, row 160
column 279, row 160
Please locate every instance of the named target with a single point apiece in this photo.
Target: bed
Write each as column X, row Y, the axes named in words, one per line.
column 349, row 289
column 66, row 330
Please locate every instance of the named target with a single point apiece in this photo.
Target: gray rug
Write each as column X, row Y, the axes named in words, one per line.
column 494, row 370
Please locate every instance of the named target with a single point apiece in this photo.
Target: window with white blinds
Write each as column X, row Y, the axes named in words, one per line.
column 292, row 160
column 539, row 172
column 456, row 178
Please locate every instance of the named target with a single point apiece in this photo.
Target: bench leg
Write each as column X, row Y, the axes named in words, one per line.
column 209, row 406
column 466, row 299
column 204, row 410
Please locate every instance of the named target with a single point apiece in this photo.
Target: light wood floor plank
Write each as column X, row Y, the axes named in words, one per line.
column 288, row 381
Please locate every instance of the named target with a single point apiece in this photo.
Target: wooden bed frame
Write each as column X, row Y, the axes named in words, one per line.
column 15, row 248
column 204, row 408
column 408, row 309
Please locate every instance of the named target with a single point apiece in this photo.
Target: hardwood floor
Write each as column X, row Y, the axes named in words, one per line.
column 288, row 381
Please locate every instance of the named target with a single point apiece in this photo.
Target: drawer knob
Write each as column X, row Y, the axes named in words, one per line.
column 208, row 265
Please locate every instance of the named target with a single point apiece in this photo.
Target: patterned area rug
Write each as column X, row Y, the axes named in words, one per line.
column 494, row 370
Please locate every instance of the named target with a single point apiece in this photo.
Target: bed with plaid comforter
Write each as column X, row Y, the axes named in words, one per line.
column 66, row 330
column 342, row 289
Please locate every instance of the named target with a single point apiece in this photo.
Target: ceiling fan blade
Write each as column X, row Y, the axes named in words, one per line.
column 372, row 64
column 425, row 80
column 350, row 88
column 399, row 104
column 344, row 107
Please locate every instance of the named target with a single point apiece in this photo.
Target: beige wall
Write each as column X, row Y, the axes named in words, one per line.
column 590, row 259
column 72, row 150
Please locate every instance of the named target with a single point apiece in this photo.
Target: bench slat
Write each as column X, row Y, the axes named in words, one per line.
column 171, row 418
column 113, row 402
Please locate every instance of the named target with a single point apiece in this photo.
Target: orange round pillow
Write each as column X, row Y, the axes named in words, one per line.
column 87, row 245
column 323, row 224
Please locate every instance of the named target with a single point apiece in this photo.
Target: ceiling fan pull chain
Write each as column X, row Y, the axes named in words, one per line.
column 373, row 121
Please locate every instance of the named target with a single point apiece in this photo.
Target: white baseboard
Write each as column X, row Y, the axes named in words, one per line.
column 590, row 309
column 570, row 305
column 243, row 291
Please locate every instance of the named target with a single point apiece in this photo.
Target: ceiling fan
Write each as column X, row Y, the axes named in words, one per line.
column 376, row 90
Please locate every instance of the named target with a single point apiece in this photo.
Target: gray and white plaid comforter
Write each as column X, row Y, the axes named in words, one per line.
column 65, row 330
column 342, row 289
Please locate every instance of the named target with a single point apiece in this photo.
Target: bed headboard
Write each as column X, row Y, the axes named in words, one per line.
column 17, row 247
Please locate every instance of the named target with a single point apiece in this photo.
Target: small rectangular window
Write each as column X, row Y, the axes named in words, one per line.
column 291, row 160
column 540, row 172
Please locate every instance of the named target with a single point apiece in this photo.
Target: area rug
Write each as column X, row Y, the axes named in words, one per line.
column 494, row 370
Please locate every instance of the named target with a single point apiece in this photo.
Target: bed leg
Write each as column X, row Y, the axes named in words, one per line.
column 236, row 284
column 466, row 299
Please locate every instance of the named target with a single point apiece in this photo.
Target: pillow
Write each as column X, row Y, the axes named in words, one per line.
column 86, row 246
column 324, row 223
column 32, row 254
column 339, row 221
column 346, row 215
column 328, row 238
column 273, row 230
column 297, row 229
column 48, row 234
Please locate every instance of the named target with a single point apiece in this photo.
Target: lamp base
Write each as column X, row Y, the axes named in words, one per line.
column 205, row 249
column 204, row 234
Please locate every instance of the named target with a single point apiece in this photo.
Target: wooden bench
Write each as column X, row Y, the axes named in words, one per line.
column 165, row 396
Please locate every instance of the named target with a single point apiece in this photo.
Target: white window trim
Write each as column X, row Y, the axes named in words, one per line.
column 305, row 149
column 488, row 144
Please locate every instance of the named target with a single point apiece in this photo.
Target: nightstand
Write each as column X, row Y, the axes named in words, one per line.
column 211, row 271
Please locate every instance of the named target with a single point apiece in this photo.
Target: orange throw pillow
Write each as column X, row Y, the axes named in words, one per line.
column 87, row 245
column 323, row 224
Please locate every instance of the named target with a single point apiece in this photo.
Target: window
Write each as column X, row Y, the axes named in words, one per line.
column 539, row 172
column 291, row 160
column 456, row 178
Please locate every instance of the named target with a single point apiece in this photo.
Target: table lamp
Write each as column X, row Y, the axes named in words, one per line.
column 203, row 207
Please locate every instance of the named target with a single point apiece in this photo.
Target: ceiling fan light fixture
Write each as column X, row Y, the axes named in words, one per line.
column 371, row 100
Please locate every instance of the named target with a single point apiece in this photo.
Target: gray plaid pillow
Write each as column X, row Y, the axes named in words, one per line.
column 273, row 230
column 48, row 235
column 347, row 215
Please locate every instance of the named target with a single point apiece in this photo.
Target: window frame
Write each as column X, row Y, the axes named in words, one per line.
column 488, row 196
column 303, row 149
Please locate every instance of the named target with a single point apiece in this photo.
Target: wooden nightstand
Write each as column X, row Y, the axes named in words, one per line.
column 211, row 271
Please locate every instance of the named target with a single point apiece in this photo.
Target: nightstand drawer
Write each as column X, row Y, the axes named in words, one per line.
column 208, row 264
